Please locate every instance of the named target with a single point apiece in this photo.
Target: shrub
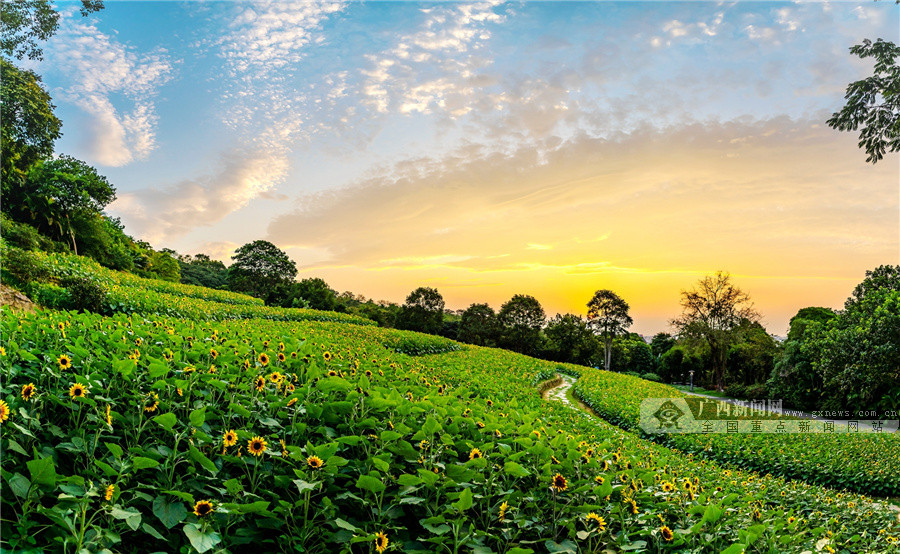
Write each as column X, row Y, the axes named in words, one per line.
column 26, row 237
column 50, row 295
column 632, row 373
column 652, row 377
column 736, row 390
column 23, row 267
column 86, row 295
column 757, row 391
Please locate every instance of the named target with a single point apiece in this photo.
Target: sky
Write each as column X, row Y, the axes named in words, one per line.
column 491, row 149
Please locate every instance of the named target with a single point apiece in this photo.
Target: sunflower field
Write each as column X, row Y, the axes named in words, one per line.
column 137, row 433
column 862, row 462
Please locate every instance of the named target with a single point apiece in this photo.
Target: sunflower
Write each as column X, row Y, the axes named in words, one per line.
column 281, row 357
column 666, row 533
column 599, row 480
column 138, row 341
column 598, row 522
column 315, row 462
column 332, row 373
column 497, row 433
column 213, row 354
column 110, row 491
column 791, row 520
column 64, row 362
column 28, row 392
column 256, row 446
column 263, row 359
column 634, row 506
column 276, row 377
column 503, row 508
column 480, row 425
column 77, row 390
column 109, row 415
column 281, row 346
column 667, row 487
column 381, row 542
column 559, row 483
column 229, row 438
column 189, row 369
column 260, row 383
column 291, row 402
column 475, row 453
column 151, row 403
column 203, row 508
column 327, row 356
column 4, row 411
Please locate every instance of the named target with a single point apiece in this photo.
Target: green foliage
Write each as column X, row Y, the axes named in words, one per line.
column 713, row 313
column 50, row 295
column 202, row 271
column 521, row 319
column 661, row 343
column 258, row 268
column 426, row 450
column 479, row 325
column 651, row 377
column 26, row 23
column 608, row 316
column 570, row 340
column 21, row 267
column 873, row 103
column 85, row 294
column 857, row 462
column 29, row 127
column 26, row 237
column 161, row 265
column 423, row 311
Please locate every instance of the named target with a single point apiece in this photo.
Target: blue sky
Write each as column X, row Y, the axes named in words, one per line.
column 550, row 148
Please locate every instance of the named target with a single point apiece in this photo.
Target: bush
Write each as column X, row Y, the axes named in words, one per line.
column 49, row 295
column 757, row 391
column 632, row 373
column 736, row 390
column 23, row 267
column 652, row 377
column 86, row 295
column 26, row 237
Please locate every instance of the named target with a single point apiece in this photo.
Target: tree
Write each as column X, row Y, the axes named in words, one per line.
column 317, row 294
column 858, row 352
column 521, row 319
column 570, row 339
column 711, row 313
column 479, row 325
column 60, row 189
column 201, row 270
column 608, row 315
column 258, row 267
column 794, row 379
column 423, row 311
column 874, row 102
column 661, row 343
column 24, row 23
column 29, row 127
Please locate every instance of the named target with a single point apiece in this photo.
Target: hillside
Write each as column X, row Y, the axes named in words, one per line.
column 183, row 418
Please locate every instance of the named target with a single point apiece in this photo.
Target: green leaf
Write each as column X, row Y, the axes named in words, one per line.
column 131, row 516
column 186, row 496
column 233, row 486
column 115, row 449
column 388, row 436
column 431, row 426
column 19, row 485
column 713, row 513
column 304, row 486
column 201, row 540
column 139, row 462
column 107, row 469
column 169, row 512
column 370, row 483
column 344, row 525
column 43, row 471
column 16, row 447
column 152, row 532
column 736, row 548
column 157, row 370
column 516, row 470
column 201, row 459
column 465, row 500
column 198, row 416
column 239, row 410
column 167, row 421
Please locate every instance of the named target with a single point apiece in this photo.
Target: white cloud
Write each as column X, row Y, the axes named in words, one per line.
column 158, row 215
column 437, row 68
column 100, row 68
